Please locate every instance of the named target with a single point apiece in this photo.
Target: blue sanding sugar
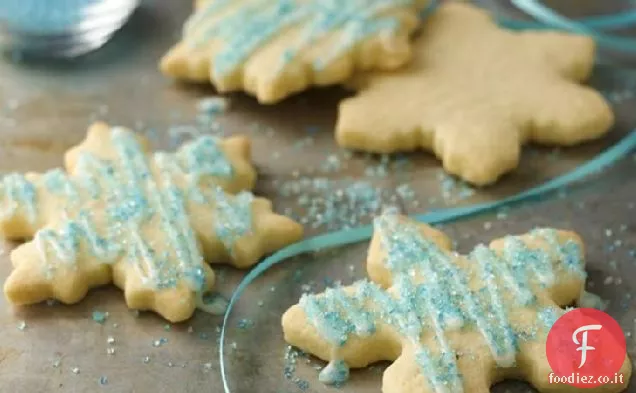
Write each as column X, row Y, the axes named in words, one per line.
column 245, row 324
column 289, row 371
column 301, row 383
column 333, row 204
column 160, row 342
column 213, row 105
column 99, row 316
column 453, row 189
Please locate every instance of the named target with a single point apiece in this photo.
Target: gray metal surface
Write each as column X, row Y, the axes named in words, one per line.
column 47, row 107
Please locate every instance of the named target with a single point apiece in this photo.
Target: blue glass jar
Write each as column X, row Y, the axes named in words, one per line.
column 61, row 28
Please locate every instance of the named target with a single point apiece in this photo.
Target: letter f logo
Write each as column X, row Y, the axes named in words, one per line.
column 583, row 344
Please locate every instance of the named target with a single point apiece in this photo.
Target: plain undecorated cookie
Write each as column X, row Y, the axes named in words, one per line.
column 147, row 222
column 448, row 322
column 475, row 93
column 274, row 48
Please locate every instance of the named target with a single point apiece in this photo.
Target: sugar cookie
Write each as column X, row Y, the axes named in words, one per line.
column 450, row 323
column 147, row 222
column 274, row 48
column 475, row 93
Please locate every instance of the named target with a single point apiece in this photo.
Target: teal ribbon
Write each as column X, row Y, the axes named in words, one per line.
column 548, row 18
column 551, row 18
column 605, row 22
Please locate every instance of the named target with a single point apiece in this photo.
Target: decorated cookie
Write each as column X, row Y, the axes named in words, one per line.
column 450, row 323
column 273, row 48
column 475, row 93
column 147, row 222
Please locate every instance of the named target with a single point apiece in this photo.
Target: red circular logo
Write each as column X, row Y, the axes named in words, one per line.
column 586, row 348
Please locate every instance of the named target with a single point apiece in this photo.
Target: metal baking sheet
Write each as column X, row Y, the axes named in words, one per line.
column 46, row 108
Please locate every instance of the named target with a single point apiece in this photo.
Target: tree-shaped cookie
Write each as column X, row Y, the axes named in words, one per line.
column 273, row 48
column 147, row 222
column 475, row 93
column 450, row 323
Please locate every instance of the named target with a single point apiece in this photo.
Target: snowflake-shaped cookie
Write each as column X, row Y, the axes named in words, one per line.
column 147, row 222
column 273, row 48
column 449, row 323
column 475, row 93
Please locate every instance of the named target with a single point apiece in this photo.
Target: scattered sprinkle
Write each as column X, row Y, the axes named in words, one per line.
column 110, row 340
column 502, row 214
column 334, row 204
column 301, row 383
column 291, row 356
column 245, row 324
column 110, row 351
column 167, row 327
column 213, row 105
column 75, row 370
column 103, row 380
column 207, row 367
column 331, row 164
column 160, row 342
column 303, row 143
column 406, row 192
column 22, row 326
column 56, row 363
column 453, row 189
column 146, row 359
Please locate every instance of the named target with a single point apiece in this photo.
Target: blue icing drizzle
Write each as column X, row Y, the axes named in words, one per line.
column 204, row 157
column 232, row 216
column 244, row 26
column 66, row 242
column 59, row 183
column 569, row 253
column 497, row 331
column 336, row 372
column 17, row 192
column 326, row 313
column 139, row 192
column 147, row 197
column 549, row 315
column 432, row 294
